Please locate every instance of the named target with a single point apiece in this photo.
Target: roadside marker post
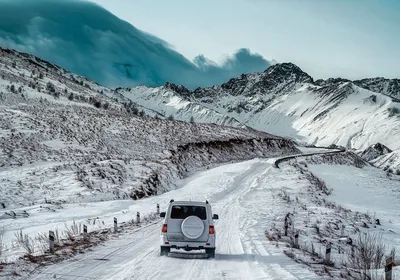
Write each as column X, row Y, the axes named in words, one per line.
column 158, row 208
column 328, row 253
column 286, row 227
column 342, row 231
column 51, row 241
column 296, row 239
column 388, row 268
column 138, row 217
column 287, row 223
column 115, row 224
column 292, row 225
column 85, row 235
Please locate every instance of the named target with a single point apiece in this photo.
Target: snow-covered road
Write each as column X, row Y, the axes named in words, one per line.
column 242, row 195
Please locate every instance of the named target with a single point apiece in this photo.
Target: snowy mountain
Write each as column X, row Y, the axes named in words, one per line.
column 65, row 138
column 170, row 100
column 375, row 151
column 286, row 101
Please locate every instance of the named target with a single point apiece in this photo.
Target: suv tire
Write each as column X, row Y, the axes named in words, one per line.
column 165, row 250
column 210, row 253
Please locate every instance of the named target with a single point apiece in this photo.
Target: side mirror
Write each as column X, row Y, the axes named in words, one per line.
column 215, row 217
column 162, row 214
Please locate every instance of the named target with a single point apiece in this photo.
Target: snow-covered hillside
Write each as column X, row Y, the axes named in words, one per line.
column 389, row 162
column 59, row 128
column 168, row 101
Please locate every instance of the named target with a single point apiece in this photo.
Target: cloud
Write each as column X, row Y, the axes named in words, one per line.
column 87, row 39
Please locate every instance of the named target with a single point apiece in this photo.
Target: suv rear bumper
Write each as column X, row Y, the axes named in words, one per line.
column 189, row 245
column 210, row 243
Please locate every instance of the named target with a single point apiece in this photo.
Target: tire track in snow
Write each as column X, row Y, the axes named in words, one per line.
column 243, row 184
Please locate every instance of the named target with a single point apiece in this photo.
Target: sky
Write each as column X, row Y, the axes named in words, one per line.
column 326, row 38
column 89, row 40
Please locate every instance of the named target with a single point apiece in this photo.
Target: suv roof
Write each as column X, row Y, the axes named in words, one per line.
column 183, row 202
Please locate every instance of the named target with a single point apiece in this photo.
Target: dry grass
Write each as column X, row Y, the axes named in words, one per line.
column 25, row 242
column 74, row 230
column 367, row 254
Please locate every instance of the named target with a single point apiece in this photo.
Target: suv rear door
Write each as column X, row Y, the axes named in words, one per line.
column 178, row 213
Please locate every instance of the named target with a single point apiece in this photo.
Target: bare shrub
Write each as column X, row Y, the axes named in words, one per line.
column 368, row 253
column 25, row 242
column 42, row 240
column 73, row 230
column 285, row 196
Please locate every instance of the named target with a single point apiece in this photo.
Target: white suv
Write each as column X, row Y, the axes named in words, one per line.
column 188, row 225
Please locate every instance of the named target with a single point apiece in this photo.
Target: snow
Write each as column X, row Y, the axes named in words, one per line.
column 247, row 198
column 367, row 190
column 389, row 161
column 166, row 103
column 241, row 195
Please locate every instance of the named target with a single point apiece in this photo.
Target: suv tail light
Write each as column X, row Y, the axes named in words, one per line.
column 164, row 228
column 211, row 230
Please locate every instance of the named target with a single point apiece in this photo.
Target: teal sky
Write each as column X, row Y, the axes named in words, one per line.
column 327, row 38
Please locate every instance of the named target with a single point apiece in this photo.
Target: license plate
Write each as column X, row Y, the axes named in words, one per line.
column 175, row 237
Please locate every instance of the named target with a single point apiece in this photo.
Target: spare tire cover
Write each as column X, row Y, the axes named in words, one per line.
column 192, row 227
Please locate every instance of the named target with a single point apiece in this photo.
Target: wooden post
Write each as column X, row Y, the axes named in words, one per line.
column 388, row 268
column 286, row 224
column 292, row 225
column 51, row 241
column 328, row 253
column 85, row 235
column 115, row 224
column 138, row 217
column 158, row 208
column 296, row 239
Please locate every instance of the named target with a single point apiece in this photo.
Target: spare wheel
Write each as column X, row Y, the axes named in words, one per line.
column 192, row 227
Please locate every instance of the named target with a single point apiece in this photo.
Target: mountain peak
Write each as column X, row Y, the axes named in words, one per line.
column 284, row 66
column 375, row 151
column 288, row 69
column 177, row 88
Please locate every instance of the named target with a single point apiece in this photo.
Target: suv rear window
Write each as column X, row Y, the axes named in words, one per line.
column 184, row 211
